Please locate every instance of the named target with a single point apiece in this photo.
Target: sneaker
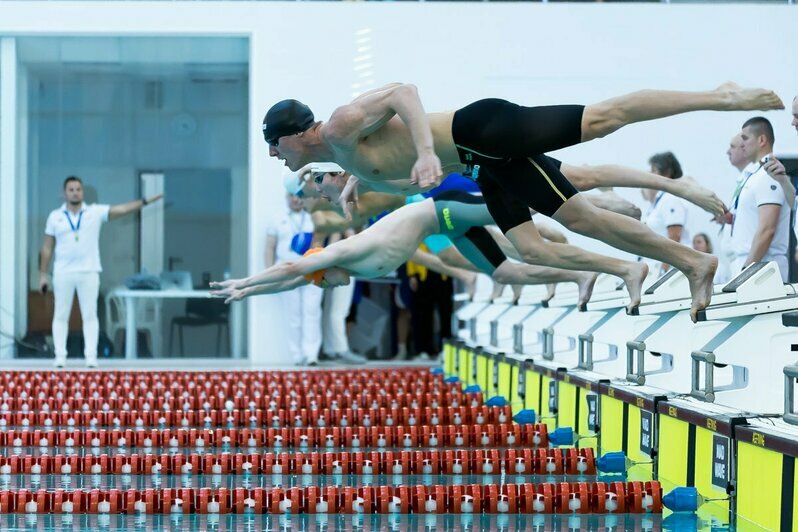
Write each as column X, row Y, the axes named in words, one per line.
column 352, row 358
column 59, row 363
column 91, row 363
column 313, row 364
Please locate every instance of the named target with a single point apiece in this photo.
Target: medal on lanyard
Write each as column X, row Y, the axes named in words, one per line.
column 75, row 228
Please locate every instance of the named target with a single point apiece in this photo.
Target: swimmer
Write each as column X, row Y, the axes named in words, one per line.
column 384, row 246
column 385, row 138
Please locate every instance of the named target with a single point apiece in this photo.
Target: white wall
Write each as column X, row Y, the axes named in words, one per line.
column 530, row 53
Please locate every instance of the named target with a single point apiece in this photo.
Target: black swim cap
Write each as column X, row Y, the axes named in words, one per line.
column 287, row 117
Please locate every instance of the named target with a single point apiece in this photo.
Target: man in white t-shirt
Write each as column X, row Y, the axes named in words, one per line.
column 724, row 249
column 761, row 216
column 73, row 230
column 667, row 214
column 289, row 236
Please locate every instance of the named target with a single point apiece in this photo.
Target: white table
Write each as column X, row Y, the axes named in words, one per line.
column 130, row 296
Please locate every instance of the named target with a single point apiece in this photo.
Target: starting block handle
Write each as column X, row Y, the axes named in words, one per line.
column 494, row 333
column 707, row 359
column 585, row 352
column 636, row 362
column 790, row 376
column 548, row 343
column 518, row 338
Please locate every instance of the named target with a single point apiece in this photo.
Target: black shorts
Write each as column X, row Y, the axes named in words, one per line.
column 508, row 143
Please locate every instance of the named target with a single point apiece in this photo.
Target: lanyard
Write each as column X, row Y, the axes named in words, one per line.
column 739, row 190
column 656, row 200
column 301, row 221
column 736, row 198
column 75, row 228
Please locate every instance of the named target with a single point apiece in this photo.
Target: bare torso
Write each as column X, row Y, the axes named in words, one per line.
column 387, row 244
column 383, row 160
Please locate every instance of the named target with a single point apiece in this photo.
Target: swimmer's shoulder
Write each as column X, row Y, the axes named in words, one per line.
column 344, row 126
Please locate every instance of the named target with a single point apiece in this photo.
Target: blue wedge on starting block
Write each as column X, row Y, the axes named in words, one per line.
column 496, row 400
column 526, row 416
column 436, row 371
column 562, row 436
column 474, row 388
column 451, row 380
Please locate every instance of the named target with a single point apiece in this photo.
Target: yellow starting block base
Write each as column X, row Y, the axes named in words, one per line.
column 766, row 484
column 628, row 421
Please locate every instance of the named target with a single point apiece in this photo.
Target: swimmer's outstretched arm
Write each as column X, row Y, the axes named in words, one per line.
column 372, row 110
column 236, row 294
column 290, row 270
column 613, row 175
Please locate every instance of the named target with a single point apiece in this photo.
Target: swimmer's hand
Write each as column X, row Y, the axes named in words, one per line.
column 231, row 294
column 348, row 198
column 724, row 219
column 703, row 197
column 229, row 290
column 427, row 172
column 229, row 283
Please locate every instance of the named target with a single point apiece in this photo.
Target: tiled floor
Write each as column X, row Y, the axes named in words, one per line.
column 199, row 364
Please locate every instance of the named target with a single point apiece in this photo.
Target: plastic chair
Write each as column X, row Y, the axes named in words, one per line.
column 372, row 322
column 201, row 313
column 148, row 318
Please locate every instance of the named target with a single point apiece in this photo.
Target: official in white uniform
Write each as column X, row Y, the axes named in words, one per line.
column 666, row 214
column 289, row 235
column 73, row 231
column 761, row 216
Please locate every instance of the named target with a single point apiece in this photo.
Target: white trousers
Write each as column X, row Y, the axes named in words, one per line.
column 337, row 302
column 87, row 286
column 301, row 309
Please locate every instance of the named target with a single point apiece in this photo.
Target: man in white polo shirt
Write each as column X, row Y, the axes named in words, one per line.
column 74, row 231
column 667, row 214
column 761, row 216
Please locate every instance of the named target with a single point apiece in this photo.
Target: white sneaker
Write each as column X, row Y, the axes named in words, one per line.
column 59, row 363
column 354, row 358
column 91, row 363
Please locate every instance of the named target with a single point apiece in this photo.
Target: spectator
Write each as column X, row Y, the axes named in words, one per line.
column 761, row 216
column 725, row 252
column 288, row 237
column 337, row 302
column 667, row 214
column 702, row 243
column 431, row 292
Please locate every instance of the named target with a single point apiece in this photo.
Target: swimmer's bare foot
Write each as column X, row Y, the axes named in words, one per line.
column 586, row 282
column 634, row 278
column 701, row 282
column 550, row 288
column 741, row 99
